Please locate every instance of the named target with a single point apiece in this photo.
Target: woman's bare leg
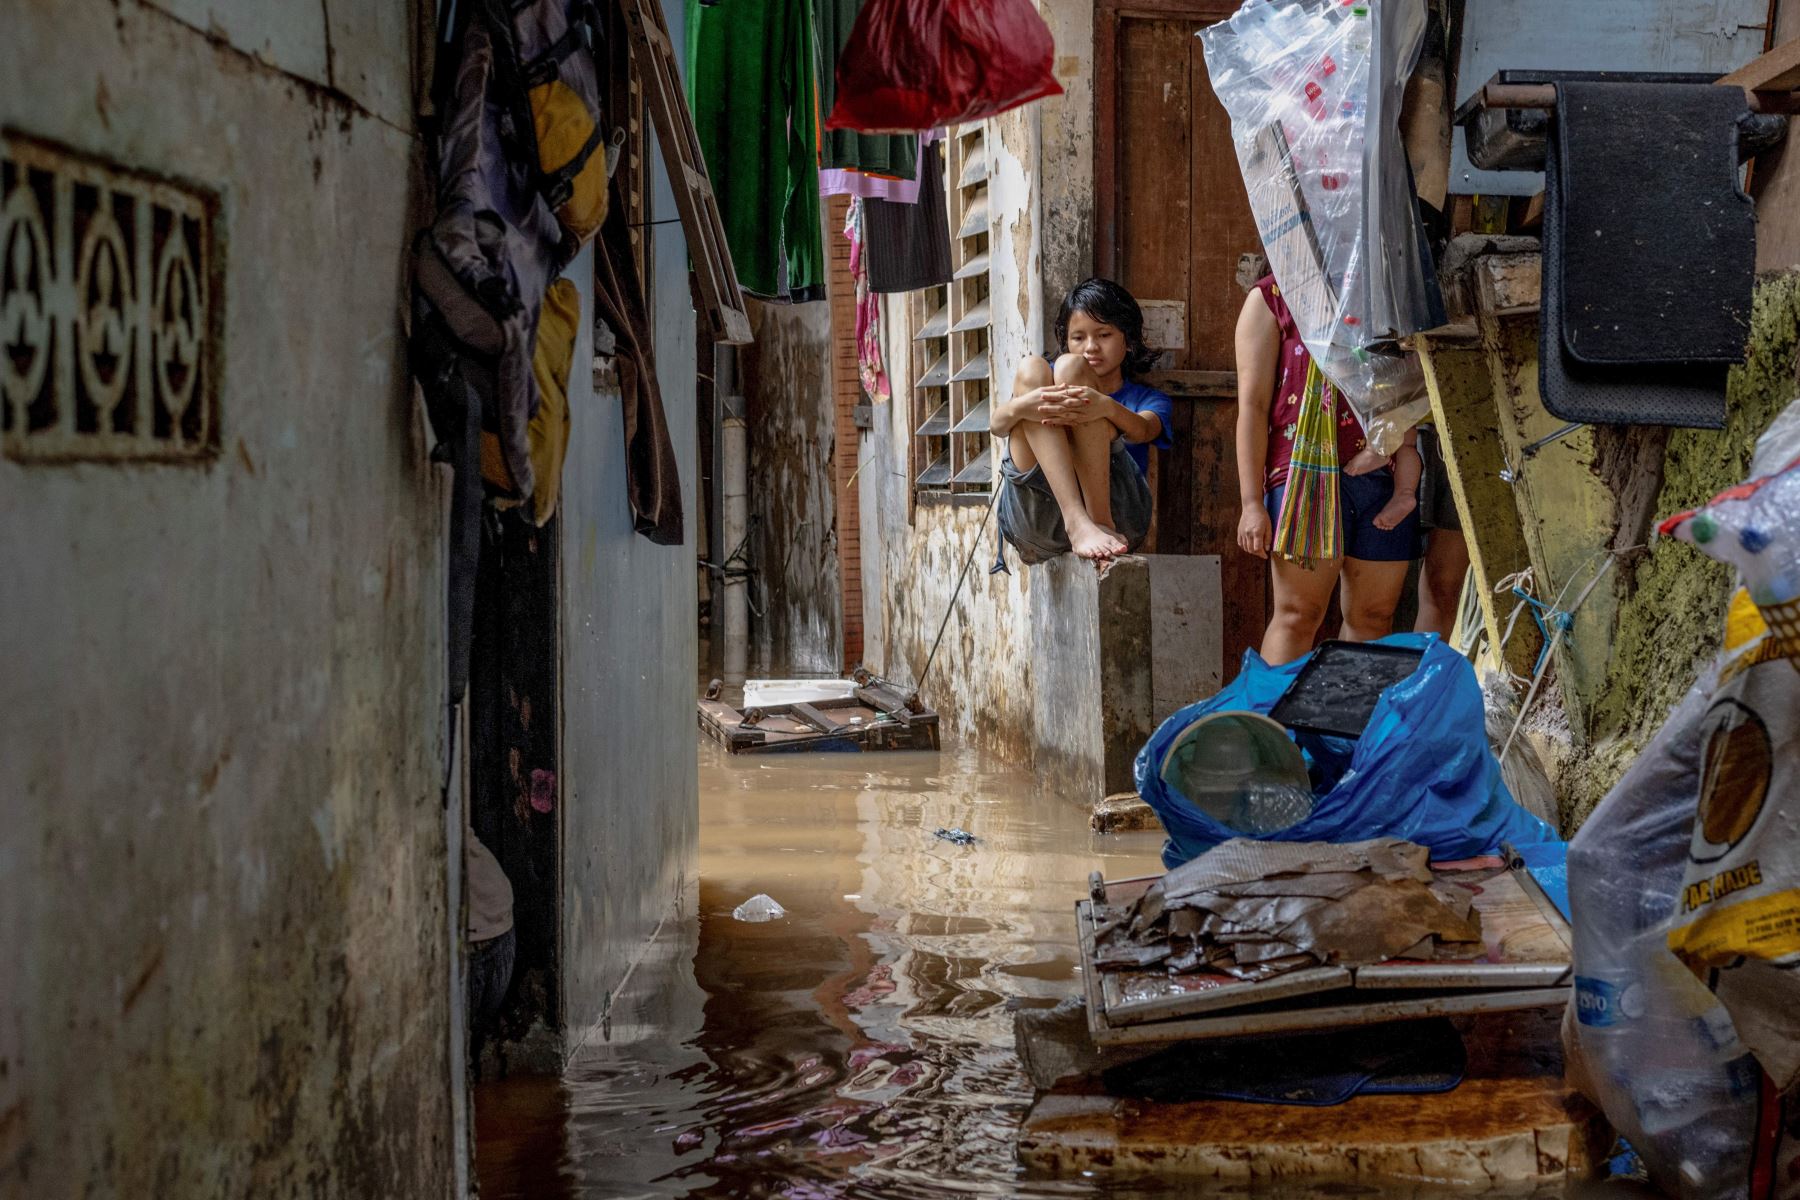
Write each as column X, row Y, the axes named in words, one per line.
column 1302, row 595
column 1441, row 581
column 1371, row 593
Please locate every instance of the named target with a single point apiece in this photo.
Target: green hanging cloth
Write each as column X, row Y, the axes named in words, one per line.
column 751, row 86
column 896, row 156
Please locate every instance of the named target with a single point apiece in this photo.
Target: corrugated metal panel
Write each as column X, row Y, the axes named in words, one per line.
column 976, row 318
column 975, row 422
column 981, row 471
column 937, row 475
column 975, row 369
column 937, row 375
column 937, row 423
column 1593, row 35
column 977, row 265
column 937, row 326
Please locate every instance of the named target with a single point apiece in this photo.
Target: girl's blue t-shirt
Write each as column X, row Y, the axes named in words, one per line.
column 1141, row 398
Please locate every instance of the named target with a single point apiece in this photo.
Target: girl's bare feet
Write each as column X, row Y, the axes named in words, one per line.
column 1088, row 540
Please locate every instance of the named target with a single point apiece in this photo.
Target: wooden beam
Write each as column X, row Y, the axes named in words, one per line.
column 1776, row 71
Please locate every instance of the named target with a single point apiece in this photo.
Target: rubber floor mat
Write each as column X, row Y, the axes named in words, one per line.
column 1646, row 289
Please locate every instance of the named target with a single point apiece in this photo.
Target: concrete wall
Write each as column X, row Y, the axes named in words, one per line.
column 223, row 878
column 786, row 375
column 630, row 788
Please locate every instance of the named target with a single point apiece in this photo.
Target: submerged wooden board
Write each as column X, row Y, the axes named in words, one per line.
column 876, row 719
column 1526, row 965
column 1511, row 1125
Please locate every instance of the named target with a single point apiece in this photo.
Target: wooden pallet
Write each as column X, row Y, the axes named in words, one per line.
column 1526, row 965
column 878, row 717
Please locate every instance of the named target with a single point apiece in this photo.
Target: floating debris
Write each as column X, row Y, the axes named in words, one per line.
column 961, row 837
column 1254, row 910
column 757, row 909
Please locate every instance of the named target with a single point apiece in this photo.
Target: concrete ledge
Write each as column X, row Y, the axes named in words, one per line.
column 1113, row 657
column 1513, row 1123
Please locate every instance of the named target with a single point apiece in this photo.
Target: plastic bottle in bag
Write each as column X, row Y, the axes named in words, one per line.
column 1661, row 1055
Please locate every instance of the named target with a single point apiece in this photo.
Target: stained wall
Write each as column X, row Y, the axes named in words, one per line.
column 224, row 880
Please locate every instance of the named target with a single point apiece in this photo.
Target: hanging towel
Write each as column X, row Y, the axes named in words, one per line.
column 1310, row 530
column 652, row 481
column 909, row 244
column 868, row 313
column 846, row 150
column 755, row 103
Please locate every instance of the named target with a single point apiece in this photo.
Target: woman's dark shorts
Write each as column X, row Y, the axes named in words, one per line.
column 1437, row 505
column 1031, row 520
column 1361, row 497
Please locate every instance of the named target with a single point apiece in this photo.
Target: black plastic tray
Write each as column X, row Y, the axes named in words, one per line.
column 1338, row 688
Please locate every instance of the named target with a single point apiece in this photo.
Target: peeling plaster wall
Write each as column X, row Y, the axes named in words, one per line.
column 787, row 378
column 981, row 682
column 223, row 882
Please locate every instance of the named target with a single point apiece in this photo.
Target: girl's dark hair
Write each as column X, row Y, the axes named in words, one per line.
column 1104, row 300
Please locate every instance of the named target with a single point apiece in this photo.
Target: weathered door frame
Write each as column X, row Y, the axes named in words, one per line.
column 1186, row 387
column 1107, row 15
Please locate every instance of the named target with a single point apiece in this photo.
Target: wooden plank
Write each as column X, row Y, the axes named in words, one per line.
column 818, row 720
column 1776, row 71
column 723, row 300
column 1467, row 421
column 1213, row 384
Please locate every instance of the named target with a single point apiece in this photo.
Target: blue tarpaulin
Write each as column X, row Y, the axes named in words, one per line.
column 1422, row 770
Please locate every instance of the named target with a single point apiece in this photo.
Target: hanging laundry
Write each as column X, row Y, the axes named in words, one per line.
column 845, row 182
column 652, row 482
column 548, row 434
column 908, row 245
column 916, row 64
column 845, row 155
column 752, row 91
column 868, row 313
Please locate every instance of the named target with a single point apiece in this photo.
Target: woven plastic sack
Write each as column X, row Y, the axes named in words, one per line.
column 1422, row 770
column 918, row 64
column 1314, row 90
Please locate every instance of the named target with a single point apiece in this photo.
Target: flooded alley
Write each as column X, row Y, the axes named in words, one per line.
column 861, row 1047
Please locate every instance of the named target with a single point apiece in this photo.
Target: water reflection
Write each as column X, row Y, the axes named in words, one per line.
column 861, row 1047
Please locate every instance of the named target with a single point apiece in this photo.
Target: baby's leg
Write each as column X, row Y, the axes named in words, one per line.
column 1093, row 446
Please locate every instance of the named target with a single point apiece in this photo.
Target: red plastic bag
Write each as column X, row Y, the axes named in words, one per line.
column 919, row 64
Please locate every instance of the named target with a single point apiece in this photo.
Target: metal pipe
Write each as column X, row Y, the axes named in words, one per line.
column 735, row 487
column 1543, row 95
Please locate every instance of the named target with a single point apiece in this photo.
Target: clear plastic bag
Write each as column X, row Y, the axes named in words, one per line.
column 1314, row 89
column 1656, row 1050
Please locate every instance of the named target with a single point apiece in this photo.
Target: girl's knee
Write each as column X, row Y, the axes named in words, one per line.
column 1033, row 372
column 1074, row 369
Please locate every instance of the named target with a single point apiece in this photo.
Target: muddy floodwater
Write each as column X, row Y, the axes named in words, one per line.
column 859, row 1047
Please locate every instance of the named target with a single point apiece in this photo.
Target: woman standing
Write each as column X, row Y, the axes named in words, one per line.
column 1317, row 503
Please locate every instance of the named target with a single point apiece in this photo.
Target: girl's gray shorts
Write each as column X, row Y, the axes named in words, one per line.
column 1031, row 520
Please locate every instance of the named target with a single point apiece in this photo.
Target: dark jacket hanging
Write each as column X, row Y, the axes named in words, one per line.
column 652, row 482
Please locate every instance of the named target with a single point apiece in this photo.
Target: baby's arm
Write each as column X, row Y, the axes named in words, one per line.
column 1408, row 466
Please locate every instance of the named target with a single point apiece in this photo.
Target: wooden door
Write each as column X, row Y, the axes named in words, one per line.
column 1173, row 220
